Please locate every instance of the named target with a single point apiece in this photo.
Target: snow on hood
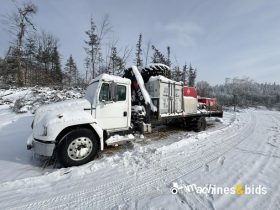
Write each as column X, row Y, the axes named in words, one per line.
column 51, row 114
column 73, row 104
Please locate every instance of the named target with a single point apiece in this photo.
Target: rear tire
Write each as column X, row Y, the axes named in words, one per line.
column 200, row 124
column 77, row 147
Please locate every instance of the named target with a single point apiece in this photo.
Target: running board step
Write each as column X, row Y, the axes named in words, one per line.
column 117, row 139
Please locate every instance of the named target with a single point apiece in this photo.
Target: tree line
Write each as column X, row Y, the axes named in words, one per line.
column 33, row 58
column 242, row 92
column 187, row 73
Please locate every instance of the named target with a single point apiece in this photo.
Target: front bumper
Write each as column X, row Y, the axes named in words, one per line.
column 40, row 147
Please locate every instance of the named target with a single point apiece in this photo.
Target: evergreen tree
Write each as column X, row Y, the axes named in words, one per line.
column 56, row 67
column 184, row 74
column 168, row 61
column 176, row 74
column 92, row 46
column 191, row 76
column 71, row 72
column 139, row 61
column 30, row 50
column 87, row 67
column 116, row 64
column 9, row 67
column 113, row 60
column 158, row 57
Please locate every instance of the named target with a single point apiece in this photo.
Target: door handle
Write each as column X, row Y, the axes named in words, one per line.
column 124, row 114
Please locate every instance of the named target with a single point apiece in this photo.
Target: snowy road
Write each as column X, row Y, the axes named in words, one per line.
column 245, row 149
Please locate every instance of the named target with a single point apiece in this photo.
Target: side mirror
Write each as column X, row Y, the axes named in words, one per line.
column 113, row 87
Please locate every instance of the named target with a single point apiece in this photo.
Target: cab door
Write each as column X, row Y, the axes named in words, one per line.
column 112, row 114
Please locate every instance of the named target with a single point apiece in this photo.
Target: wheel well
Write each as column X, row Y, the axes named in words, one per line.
column 70, row 128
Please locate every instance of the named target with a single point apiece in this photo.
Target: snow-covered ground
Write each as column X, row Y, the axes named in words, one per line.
column 28, row 99
column 242, row 148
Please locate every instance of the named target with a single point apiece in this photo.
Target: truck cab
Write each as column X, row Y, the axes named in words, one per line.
column 110, row 100
column 75, row 130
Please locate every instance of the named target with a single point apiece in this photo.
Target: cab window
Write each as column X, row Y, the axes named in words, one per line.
column 121, row 93
column 104, row 94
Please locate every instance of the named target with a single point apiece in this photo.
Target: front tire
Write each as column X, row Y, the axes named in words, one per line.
column 77, row 147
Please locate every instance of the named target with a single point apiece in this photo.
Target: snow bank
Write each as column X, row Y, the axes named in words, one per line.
column 23, row 100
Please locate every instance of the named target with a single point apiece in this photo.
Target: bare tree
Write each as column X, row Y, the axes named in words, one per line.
column 147, row 52
column 20, row 22
column 105, row 27
column 118, row 60
column 126, row 54
column 203, row 88
column 94, row 42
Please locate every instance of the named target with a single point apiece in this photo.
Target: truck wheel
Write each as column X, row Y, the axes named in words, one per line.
column 200, row 124
column 77, row 147
column 188, row 124
column 204, row 124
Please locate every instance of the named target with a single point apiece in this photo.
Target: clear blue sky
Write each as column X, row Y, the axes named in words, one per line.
column 221, row 38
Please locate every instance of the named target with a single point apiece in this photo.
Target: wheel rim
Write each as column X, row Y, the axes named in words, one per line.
column 79, row 148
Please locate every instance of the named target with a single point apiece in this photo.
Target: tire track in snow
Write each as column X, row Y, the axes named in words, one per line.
column 111, row 197
column 275, row 198
column 99, row 188
column 245, row 172
column 266, row 160
column 47, row 201
column 252, row 169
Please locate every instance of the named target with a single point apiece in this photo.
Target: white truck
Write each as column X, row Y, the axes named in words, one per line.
column 112, row 111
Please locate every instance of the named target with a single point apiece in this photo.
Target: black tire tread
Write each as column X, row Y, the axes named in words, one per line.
column 63, row 145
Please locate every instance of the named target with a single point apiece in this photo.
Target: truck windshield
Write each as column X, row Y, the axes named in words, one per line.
column 91, row 92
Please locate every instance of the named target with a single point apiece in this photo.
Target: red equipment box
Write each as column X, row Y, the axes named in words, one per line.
column 190, row 91
column 208, row 101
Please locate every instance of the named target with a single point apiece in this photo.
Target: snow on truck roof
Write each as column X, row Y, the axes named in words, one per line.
column 163, row 79
column 110, row 78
